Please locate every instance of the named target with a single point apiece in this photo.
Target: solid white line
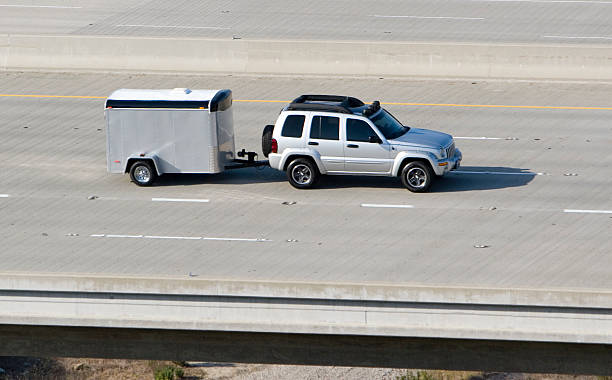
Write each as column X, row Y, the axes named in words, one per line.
column 385, row 206
column 589, row 211
column 579, row 37
column 235, row 239
column 38, row 6
column 477, row 138
column 430, row 17
column 174, row 27
column 4, row 195
column 124, row 236
column 173, row 237
column 179, row 200
column 177, row 237
column 501, row 173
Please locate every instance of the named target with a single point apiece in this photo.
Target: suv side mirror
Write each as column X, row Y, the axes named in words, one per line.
column 374, row 139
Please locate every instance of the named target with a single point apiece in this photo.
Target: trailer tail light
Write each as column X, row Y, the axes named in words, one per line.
column 274, row 146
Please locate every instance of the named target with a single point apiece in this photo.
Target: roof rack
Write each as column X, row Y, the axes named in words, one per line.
column 330, row 103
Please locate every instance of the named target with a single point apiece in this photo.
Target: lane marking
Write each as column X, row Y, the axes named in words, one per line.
column 173, row 237
column 174, row 27
column 257, row 240
column 477, row 138
column 4, row 195
column 579, row 37
column 383, row 103
column 235, row 239
column 544, row 1
column 588, row 211
column 385, row 205
column 494, row 173
column 38, row 6
column 496, row 106
column 430, row 17
column 179, row 200
column 52, row 96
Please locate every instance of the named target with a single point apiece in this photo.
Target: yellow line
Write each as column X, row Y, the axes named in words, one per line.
column 52, row 96
column 384, row 103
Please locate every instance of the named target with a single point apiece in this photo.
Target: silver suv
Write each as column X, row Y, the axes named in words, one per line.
column 327, row 134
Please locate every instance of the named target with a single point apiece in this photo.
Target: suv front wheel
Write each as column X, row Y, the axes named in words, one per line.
column 302, row 173
column 417, row 176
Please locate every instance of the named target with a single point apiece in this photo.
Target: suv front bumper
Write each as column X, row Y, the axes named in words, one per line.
column 446, row 165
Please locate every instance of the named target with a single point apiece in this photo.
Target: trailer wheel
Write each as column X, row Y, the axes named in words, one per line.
column 266, row 140
column 142, row 173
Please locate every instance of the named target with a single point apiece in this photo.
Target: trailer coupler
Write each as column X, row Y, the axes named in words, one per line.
column 249, row 162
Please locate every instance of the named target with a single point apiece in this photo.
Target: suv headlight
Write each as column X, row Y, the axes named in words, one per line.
column 442, row 153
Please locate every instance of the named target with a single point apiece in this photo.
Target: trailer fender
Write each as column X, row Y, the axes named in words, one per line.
column 142, row 157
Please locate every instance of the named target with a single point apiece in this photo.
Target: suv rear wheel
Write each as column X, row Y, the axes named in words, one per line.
column 302, row 173
column 417, row 176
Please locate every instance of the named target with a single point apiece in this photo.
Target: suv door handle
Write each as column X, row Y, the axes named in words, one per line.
column 313, row 143
column 352, row 146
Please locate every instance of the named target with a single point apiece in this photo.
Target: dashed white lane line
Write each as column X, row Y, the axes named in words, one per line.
column 478, row 138
column 37, row 6
column 579, row 37
column 173, row 27
column 178, row 237
column 494, row 173
column 545, row 1
column 179, row 200
column 375, row 205
column 4, row 195
column 588, row 211
column 429, row 17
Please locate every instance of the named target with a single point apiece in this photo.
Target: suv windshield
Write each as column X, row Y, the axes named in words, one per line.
column 388, row 125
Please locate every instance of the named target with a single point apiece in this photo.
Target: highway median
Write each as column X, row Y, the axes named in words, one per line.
column 302, row 57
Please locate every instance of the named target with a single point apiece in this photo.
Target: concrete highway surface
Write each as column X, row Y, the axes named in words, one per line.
column 530, row 208
column 488, row 21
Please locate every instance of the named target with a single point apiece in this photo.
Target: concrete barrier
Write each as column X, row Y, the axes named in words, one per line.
column 346, row 58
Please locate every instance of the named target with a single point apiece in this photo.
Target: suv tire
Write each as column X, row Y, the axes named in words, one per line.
column 266, row 140
column 417, row 176
column 302, row 173
column 142, row 173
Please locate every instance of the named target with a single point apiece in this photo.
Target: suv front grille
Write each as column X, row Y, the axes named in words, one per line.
column 450, row 151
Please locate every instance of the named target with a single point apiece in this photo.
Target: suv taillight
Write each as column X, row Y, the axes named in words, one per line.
column 274, row 146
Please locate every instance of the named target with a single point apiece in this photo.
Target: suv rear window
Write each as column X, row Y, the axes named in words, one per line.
column 325, row 127
column 294, row 125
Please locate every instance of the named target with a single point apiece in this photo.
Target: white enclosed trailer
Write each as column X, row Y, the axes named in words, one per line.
column 152, row 132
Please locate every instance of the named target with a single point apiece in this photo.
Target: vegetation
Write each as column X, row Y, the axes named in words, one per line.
column 169, row 373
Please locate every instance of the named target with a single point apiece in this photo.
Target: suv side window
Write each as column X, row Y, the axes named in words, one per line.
column 325, row 127
column 358, row 130
column 294, row 125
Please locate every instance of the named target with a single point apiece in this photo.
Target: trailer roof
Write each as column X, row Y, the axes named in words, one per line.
column 181, row 98
column 177, row 94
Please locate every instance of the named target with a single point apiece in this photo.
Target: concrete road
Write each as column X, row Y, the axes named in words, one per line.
column 524, row 169
column 489, row 21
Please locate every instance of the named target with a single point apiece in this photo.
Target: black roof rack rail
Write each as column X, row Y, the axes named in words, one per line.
column 347, row 101
column 317, row 107
column 331, row 103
